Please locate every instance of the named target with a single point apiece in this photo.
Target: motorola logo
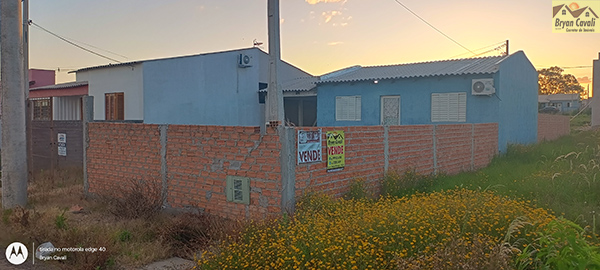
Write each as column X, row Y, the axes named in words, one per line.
column 16, row 253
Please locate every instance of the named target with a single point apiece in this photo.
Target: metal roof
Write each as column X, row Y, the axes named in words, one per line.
column 61, row 86
column 483, row 65
column 300, row 84
column 106, row 66
column 558, row 97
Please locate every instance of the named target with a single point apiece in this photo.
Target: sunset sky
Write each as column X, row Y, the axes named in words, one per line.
column 317, row 36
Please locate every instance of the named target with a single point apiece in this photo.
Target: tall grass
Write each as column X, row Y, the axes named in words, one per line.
column 562, row 175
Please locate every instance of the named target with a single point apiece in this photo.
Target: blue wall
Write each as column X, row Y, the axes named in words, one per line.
column 202, row 90
column 415, row 100
column 514, row 107
column 517, row 84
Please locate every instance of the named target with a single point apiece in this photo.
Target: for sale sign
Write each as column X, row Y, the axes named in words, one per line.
column 309, row 146
column 336, row 144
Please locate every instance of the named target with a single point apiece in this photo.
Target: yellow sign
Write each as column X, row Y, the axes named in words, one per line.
column 336, row 148
column 575, row 17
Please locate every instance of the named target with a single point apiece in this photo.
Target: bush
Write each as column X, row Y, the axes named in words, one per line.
column 135, row 199
column 407, row 183
column 382, row 234
column 358, row 190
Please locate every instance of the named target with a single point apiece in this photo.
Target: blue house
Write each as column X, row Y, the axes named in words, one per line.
column 565, row 103
column 499, row 89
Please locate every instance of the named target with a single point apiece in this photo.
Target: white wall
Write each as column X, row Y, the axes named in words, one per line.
column 66, row 108
column 127, row 79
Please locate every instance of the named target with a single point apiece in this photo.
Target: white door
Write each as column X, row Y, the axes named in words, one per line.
column 390, row 110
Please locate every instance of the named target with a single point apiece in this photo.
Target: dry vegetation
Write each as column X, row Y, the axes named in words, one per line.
column 131, row 227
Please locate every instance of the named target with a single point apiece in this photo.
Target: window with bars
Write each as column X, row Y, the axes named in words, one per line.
column 449, row 107
column 347, row 108
column 42, row 109
column 238, row 189
column 114, row 106
column 390, row 110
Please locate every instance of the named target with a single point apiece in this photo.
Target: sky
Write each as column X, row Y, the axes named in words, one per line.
column 318, row 36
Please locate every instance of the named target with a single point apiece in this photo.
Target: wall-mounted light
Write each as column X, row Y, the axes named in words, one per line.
column 375, row 81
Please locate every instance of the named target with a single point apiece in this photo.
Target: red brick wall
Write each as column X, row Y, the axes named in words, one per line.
column 118, row 152
column 199, row 158
column 457, row 148
column 364, row 159
column 551, row 127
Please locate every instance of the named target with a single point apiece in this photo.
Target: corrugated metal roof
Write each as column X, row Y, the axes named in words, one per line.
column 105, row 66
column 298, row 84
column 484, row 65
column 558, row 97
column 61, row 86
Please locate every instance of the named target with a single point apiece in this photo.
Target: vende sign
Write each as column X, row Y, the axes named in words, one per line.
column 309, row 146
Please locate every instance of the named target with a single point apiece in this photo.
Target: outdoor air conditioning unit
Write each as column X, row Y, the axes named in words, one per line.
column 482, row 87
column 244, row 61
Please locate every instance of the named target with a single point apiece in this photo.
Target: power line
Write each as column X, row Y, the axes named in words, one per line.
column 495, row 44
column 72, row 43
column 439, row 31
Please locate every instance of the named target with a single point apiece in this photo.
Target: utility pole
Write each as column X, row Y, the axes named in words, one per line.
column 26, row 88
column 596, row 93
column 14, row 142
column 274, row 92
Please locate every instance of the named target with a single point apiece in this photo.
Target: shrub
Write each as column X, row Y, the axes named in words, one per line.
column 401, row 184
column 382, row 234
column 135, row 199
column 358, row 190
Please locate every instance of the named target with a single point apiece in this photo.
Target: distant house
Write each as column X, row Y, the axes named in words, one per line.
column 220, row 88
column 58, row 102
column 564, row 102
column 499, row 89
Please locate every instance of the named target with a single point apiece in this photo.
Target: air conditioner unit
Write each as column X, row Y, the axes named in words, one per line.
column 244, row 61
column 482, row 87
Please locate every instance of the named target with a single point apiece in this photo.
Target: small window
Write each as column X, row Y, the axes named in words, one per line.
column 564, row 12
column 347, row 108
column 568, row 104
column 42, row 109
column 238, row 189
column 449, row 107
column 114, row 105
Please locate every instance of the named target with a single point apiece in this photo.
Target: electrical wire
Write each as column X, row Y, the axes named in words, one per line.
column 495, row 44
column 72, row 43
column 439, row 31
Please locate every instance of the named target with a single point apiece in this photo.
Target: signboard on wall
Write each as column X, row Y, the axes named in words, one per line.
column 336, row 148
column 309, row 146
column 62, row 144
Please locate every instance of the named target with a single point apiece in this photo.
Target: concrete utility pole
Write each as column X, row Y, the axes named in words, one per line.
column 274, row 91
column 596, row 92
column 26, row 86
column 14, row 142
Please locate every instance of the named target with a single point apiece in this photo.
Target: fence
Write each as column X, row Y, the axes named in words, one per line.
column 552, row 127
column 45, row 144
column 192, row 163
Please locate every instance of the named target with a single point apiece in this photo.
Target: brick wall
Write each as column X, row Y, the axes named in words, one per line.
column 119, row 152
column 198, row 159
column 551, row 127
column 192, row 162
column 423, row 148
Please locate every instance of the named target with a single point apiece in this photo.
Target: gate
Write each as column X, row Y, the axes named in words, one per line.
column 56, row 144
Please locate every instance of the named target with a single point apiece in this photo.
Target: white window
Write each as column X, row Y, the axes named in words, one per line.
column 449, row 107
column 347, row 108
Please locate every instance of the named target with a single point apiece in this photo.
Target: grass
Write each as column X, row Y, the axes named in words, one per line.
column 562, row 175
column 134, row 236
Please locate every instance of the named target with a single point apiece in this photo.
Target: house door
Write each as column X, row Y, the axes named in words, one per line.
column 390, row 110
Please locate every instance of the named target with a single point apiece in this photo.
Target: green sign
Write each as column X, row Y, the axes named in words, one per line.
column 336, row 144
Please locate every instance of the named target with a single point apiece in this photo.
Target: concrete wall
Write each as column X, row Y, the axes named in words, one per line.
column 205, row 89
column 192, row 162
column 41, row 77
column 551, row 127
column 127, row 79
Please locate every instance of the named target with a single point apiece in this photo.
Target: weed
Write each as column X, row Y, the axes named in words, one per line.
column 135, row 199
column 401, row 184
column 61, row 221
column 357, row 190
column 124, row 236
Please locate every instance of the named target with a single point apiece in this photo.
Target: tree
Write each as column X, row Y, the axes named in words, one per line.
column 552, row 81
